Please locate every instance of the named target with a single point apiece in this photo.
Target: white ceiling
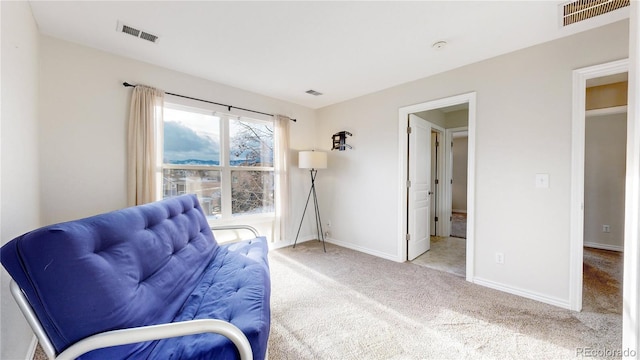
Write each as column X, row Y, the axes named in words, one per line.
column 282, row 49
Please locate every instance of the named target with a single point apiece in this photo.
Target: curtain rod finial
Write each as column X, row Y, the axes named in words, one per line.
column 126, row 84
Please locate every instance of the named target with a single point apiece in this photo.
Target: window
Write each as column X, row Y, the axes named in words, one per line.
column 226, row 160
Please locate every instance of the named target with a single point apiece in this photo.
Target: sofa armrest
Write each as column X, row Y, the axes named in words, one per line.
column 236, row 227
column 162, row 331
column 32, row 319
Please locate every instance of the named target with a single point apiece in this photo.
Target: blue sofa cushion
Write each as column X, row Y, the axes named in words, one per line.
column 122, row 269
column 235, row 288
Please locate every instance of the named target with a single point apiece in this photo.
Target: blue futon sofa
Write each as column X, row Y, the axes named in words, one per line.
column 153, row 269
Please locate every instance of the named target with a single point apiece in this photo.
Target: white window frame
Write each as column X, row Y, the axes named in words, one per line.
column 225, row 166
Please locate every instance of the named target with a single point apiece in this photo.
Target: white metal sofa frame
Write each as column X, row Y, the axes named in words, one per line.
column 139, row 334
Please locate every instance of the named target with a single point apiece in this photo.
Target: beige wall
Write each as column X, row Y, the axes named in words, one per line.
column 523, row 128
column 84, row 110
column 605, row 164
column 19, row 174
column 459, row 119
column 459, row 171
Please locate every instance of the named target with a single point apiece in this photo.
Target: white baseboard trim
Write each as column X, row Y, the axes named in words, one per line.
column 32, row 348
column 604, row 246
column 281, row 244
column 278, row 245
column 524, row 293
column 459, row 211
column 362, row 249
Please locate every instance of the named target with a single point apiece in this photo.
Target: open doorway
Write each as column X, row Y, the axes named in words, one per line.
column 587, row 222
column 443, row 115
column 604, row 193
column 448, row 190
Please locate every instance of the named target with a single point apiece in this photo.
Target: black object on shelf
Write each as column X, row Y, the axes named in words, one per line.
column 340, row 141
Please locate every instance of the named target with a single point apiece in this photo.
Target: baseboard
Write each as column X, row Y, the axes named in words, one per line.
column 31, row 352
column 524, row 293
column 362, row 249
column 281, row 244
column 458, row 211
column 604, row 246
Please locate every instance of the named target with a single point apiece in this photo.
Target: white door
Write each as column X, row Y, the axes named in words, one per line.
column 419, row 187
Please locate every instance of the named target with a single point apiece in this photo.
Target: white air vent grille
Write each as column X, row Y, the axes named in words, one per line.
column 136, row 32
column 313, row 92
column 580, row 10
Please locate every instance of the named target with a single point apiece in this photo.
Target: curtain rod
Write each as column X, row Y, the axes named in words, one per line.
column 126, row 84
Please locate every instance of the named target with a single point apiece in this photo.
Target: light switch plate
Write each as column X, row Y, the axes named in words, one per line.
column 542, row 181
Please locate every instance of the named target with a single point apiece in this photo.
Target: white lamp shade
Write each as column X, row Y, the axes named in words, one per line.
column 312, row 160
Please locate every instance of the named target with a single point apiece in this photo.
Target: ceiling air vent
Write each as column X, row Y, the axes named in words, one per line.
column 313, row 92
column 149, row 37
column 136, row 32
column 580, row 10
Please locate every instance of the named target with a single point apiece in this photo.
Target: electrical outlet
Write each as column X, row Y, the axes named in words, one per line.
column 606, row 228
column 327, row 234
column 499, row 258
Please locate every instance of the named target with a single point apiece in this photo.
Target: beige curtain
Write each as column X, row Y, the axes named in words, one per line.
column 145, row 118
column 282, row 176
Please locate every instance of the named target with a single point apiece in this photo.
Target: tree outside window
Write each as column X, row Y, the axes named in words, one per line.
column 225, row 160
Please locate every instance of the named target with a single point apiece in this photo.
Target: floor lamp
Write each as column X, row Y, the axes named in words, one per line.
column 312, row 160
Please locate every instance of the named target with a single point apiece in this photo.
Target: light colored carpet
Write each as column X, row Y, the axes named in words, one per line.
column 459, row 225
column 349, row 305
column 602, row 274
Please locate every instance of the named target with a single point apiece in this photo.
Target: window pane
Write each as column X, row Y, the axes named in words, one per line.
column 204, row 183
column 251, row 192
column 251, row 143
column 191, row 138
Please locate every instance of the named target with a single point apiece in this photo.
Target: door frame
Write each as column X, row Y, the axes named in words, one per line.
column 578, row 123
column 403, row 113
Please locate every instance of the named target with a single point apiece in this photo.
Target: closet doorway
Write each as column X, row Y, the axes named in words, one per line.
column 604, row 193
column 591, row 231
